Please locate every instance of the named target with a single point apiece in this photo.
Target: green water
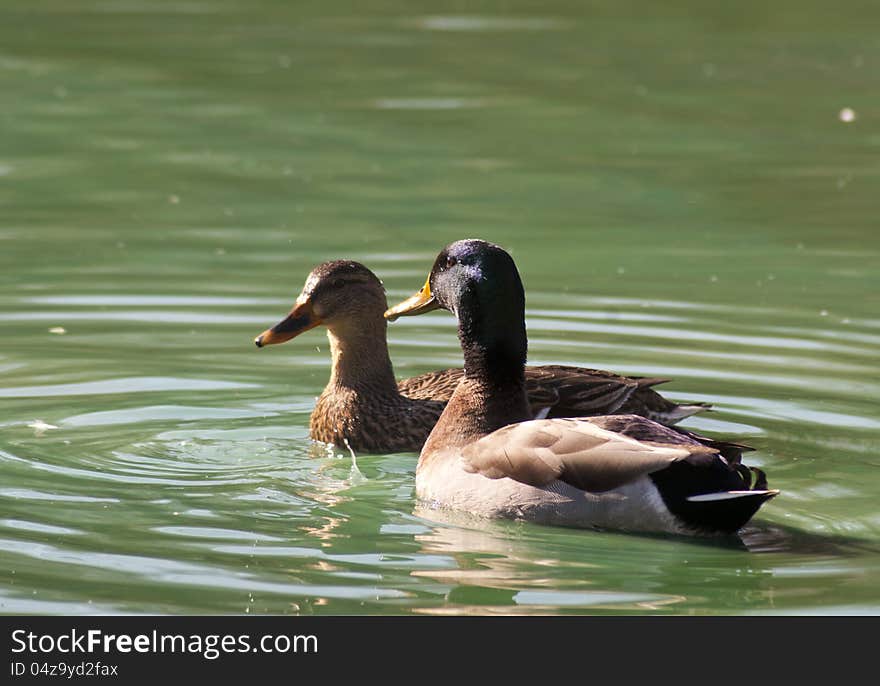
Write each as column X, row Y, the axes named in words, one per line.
column 676, row 183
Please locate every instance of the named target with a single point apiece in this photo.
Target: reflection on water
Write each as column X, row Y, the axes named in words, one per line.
column 128, row 385
column 588, row 573
column 488, row 23
column 668, row 211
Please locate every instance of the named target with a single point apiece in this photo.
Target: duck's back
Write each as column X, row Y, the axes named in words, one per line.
column 437, row 386
column 567, row 391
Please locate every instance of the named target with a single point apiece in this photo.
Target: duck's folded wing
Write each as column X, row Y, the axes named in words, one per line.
column 565, row 391
column 575, row 451
column 646, row 431
column 437, row 385
column 576, row 391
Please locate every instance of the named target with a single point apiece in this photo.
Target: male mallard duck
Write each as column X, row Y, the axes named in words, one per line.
column 366, row 407
column 487, row 456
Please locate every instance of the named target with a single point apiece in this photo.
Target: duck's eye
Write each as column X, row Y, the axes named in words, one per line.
column 450, row 261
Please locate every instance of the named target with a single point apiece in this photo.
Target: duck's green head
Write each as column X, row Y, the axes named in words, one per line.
column 479, row 283
column 467, row 274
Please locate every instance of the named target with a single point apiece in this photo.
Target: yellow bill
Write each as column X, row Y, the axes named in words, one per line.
column 419, row 303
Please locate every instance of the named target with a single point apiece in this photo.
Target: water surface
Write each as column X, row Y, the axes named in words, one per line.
column 680, row 186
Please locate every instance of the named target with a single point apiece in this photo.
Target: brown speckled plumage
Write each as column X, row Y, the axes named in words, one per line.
column 373, row 420
column 365, row 408
column 568, row 392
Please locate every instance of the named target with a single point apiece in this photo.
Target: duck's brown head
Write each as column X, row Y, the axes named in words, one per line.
column 343, row 295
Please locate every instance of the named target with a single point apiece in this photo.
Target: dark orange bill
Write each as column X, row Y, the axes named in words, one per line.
column 421, row 302
column 300, row 319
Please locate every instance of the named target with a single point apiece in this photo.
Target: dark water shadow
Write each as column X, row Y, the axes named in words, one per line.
column 763, row 539
column 774, row 538
column 756, row 538
column 791, row 540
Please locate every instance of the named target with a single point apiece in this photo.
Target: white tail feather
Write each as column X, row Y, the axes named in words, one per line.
column 728, row 495
column 677, row 414
column 542, row 413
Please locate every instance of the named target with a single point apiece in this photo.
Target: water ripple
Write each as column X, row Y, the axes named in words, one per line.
column 686, row 334
column 151, row 316
column 763, row 408
column 428, row 103
column 177, row 572
column 28, row 494
column 154, row 413
column 40, row 528
column 150, row 300
column 135, row 384
column 549, row 598
column 474, row 22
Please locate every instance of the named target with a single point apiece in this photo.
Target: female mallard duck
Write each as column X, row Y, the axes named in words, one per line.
column 487, row 456
column 364, row 407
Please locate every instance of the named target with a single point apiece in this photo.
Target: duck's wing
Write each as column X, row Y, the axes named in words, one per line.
column 437, row 385
column 647, row 402
column 581, row 392
column 552, row 389
column 580, row 452
column 564, row 391
column 577, row 391
column 639, row 428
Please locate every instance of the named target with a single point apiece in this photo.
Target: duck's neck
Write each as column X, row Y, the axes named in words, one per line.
column 494, row 347
column 360, row 360
column 492, row 393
